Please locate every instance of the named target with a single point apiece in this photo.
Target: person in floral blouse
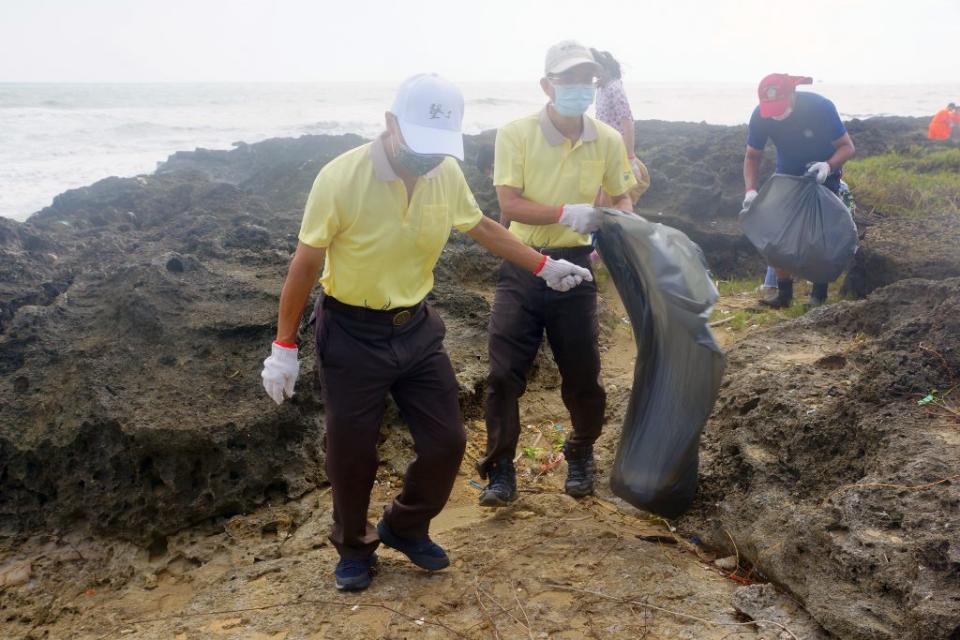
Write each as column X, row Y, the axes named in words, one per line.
column 613, row 108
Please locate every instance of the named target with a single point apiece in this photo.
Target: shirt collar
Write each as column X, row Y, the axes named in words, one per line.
column 553, row 135
column 382, row 168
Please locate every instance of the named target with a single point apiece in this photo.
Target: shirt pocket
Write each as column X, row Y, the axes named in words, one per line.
column 434, row 228
column 591, row 178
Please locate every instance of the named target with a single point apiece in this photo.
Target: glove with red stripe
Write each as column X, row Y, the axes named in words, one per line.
column 280, row 371
column 561, row 275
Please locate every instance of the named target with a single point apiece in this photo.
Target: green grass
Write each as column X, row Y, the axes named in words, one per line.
column 913, row 182
column 744, row 318
column 534, row 453
column 736, row 286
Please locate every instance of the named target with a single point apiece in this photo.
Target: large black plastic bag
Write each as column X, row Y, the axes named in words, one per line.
column 663, row 281
column 801, row 227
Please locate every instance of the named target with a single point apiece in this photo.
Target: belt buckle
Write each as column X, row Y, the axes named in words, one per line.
column 401, row 318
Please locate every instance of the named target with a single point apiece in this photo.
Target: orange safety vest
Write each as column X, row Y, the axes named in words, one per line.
column 942, row 125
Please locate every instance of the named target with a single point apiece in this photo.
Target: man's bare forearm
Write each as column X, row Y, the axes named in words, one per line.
column 520, row 209
column 301, row 277
column 843, row 153
column 751, row 170
column 498, row 241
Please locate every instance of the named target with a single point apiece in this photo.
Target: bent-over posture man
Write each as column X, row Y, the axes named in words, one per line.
column 810, row 139
column 376, row 220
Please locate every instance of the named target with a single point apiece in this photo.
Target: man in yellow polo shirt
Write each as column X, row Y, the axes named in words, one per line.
column 548, row 168
column 377, row 219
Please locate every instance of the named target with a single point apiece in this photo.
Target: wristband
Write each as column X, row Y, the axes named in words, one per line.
column 285, row 345
column 540, row 266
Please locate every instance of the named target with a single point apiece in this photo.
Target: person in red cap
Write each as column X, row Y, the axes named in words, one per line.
column 810, row 139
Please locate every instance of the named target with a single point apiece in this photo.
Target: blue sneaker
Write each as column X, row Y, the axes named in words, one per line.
column 354, row 575
column 425, row 553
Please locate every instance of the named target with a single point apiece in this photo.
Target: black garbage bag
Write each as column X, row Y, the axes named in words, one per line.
column 801, row 227
column 664, row 283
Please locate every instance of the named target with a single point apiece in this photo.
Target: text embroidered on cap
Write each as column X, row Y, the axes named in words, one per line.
column 436, row 110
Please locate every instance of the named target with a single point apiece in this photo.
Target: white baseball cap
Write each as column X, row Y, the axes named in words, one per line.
column 568, row 54
column 429, row 110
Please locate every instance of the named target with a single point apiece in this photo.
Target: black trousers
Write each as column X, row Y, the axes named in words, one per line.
column 360, row 361
column 523, row 308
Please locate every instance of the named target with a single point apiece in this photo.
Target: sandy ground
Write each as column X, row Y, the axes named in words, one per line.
column 548, row 566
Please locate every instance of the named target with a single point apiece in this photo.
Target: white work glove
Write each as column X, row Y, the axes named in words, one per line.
column 821, row 170
column 280, row 372
column 635, row 166
column 561, row 275
column 582, row 218
column 748, row 198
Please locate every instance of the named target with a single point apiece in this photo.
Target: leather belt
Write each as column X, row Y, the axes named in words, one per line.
column 396, row 317
column 563, row 253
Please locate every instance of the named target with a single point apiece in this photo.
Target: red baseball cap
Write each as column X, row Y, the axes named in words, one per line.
column 775, row 92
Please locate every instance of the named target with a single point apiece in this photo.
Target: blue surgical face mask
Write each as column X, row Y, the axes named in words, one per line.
column 573, row 99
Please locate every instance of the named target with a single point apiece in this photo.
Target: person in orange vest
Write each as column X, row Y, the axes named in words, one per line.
column 941, row 127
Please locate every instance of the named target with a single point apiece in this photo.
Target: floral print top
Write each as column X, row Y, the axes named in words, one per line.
column 612, row 105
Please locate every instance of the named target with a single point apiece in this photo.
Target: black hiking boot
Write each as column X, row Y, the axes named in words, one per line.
column 502, row 488
column 818, row 295
column 783, row 298
column 580, row 470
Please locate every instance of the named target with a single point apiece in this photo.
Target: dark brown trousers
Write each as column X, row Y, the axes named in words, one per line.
column 523, row 308
column 360, row 362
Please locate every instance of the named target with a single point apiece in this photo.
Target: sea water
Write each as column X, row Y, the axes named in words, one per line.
column 55, row 137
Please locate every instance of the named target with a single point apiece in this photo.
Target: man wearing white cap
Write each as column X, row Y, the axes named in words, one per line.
column 376, row 220
column 548, row 168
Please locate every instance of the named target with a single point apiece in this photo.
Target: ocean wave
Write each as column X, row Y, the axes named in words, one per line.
column 844, row 115
column 494, row 102
column 145, row 128
column 335, row 127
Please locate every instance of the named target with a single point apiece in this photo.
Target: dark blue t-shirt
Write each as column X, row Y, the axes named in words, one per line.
column 806, row 136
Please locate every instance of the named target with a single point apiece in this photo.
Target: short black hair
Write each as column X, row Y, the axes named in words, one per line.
column 485, row 158
column 606, row 60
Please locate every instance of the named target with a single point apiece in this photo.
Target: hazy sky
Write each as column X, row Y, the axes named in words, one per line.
column 842, row 41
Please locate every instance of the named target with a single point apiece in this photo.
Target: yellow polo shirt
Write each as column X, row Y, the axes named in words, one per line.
column 380, row 250
column 532, row 155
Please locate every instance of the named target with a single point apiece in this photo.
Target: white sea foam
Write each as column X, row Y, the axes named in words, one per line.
column 55, row 137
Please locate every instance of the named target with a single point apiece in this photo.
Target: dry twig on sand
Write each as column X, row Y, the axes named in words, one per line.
column 717, row 323
column 678, row 614
column 486, row 612
column 503, row 609
column 943, row 362
column 735, row 574
column 887, row 485
column 524, row 612
column 295, row 603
